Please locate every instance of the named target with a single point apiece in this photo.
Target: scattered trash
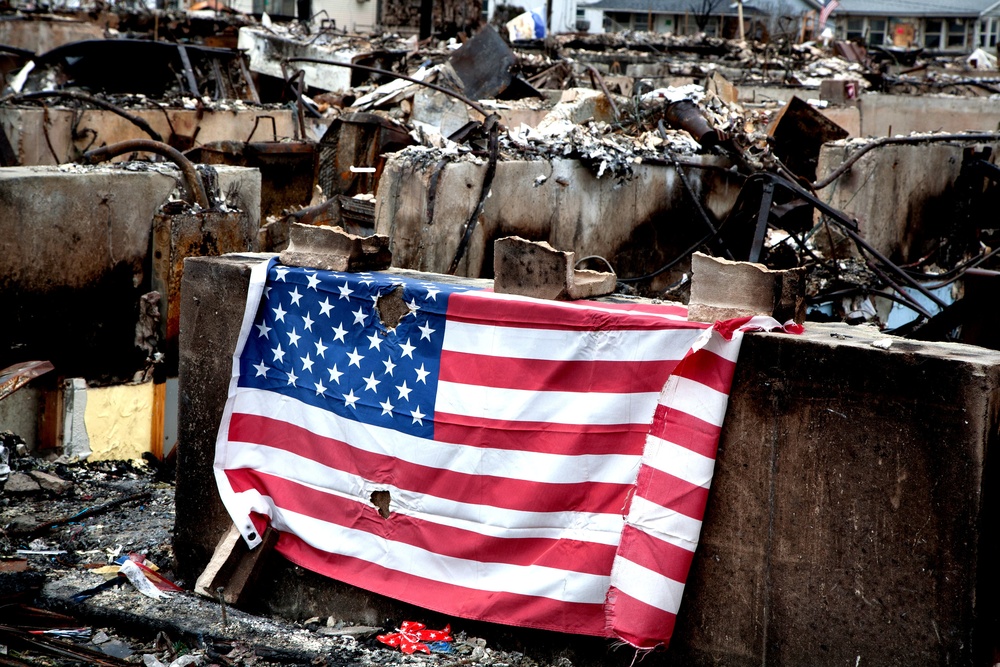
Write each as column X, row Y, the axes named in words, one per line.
column 411, row 637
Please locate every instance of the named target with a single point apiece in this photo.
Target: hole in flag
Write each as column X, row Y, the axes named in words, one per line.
column 380, row 499
column 392, row 308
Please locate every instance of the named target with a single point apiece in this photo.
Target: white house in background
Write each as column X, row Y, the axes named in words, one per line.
column 685, row 17
column 956, row 26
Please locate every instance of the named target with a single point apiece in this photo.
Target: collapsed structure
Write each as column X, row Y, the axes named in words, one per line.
column 803, row 182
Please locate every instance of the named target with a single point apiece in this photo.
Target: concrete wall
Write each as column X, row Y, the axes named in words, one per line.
column 850, row 519
column 75, row 258
column 42, row 35
column 30, row 134
column 636, row 224
column 902, row 196
column 888, row 115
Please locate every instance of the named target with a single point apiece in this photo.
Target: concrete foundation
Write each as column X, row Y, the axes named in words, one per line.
column 32, row 130
column 75, row 257
column 903, row 196
column 849, row 522
column 424, row 208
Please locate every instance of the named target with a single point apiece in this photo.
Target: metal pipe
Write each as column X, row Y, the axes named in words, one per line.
column 376, row 70
column 97, row 102
column 195, row 186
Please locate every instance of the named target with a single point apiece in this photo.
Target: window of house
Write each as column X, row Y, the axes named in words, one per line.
column 640, row 22
column 933, row 34
column 855, row 29
column 876, row 31
column 956, row 34
column 988, row 32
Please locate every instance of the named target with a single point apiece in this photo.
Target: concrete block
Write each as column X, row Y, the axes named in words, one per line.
column 538, row 270
column 234, row 567
column 722, row 289
column 333, row 249
column 848, row 517
column 839, row 91
column 51, row 483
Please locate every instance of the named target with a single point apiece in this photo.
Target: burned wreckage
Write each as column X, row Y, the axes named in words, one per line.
column 368, row 336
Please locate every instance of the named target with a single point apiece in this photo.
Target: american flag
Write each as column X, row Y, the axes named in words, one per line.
column 491, row 457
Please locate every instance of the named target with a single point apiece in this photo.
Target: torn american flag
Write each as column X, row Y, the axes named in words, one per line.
column 533, row 463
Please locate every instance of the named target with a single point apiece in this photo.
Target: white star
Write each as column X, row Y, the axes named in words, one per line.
column 261, row 369
column 320, row 348
column 404, row 391
column 426, row 331
column 296, row 297
column 387, row 407
column 339, row 332
column 418, row 416
column 345, row 291
column 292, row 377
column 279, row 314
column 359, row 316
column 407, row 349
column 422, row 374
column 279, row 354
column 350, row 399
column 371, row 382
column 307, row 363
column 325, row 307
column 374, row 341
column 307, row 322
column 282, row 272
column 335, row 374
column 313, row 281
column 293, row 338
column 319, row 388
column 388, row 366
column 355, row 358
column 432, row 293
column 263, row 328
column 412, row 305
column 366, row 278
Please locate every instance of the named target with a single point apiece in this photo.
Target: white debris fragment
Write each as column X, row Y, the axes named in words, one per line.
column 882, row 343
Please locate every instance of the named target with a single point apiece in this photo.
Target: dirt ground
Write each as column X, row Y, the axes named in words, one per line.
column 62, row 526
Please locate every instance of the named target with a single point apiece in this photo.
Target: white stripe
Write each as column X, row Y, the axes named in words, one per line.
column 556, row 345
column 558, row 407
column 664, row 524
column 535, row 580
column 481, row 519
column 591, row 306
column 646, row 585
column 679, row 461
column 696, row 399
column 727, row 349
column 510, row 464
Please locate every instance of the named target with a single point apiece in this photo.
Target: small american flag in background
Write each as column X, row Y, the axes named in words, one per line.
column 545, row 464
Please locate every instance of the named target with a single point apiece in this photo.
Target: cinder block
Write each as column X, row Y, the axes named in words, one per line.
column 538, row 270
column 333, row 249
column 722, row 289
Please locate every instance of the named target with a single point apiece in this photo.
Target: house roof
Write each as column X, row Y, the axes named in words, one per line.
column 722, row 7
column 914, row 7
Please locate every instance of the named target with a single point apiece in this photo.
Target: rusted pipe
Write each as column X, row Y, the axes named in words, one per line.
column 385, row 72
column 97, row 102
column 600, row 81
column 887, row 141
column 195, row 186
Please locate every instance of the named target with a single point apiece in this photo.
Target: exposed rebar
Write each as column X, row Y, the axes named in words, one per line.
column 195, row 186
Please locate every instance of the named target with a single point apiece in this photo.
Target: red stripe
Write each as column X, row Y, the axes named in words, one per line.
column 476, row 309
column 685, row 430
column 618, row 377
column 494, row 607
column 482, row 489
column 671, row 492
column 640, row 624
column 709, row 369
column 543, row 437
column 667, row 559
column 360, row 514
column 672, row 309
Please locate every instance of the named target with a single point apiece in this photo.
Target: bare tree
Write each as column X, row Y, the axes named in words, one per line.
column 702, row 10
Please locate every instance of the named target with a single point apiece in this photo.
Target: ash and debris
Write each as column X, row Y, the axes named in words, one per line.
column 46, row 566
